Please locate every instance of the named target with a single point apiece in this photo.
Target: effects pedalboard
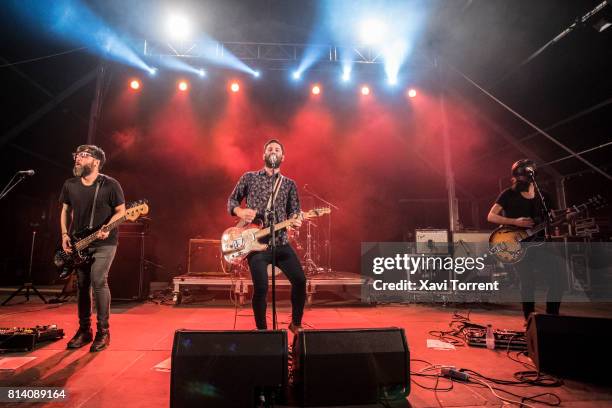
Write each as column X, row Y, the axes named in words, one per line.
column 504, row 339
column 25, row 338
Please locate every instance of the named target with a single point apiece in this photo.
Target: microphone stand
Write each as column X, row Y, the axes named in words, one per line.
column 28, row 286
column 10, row 186
column 271, row 215
column 545, row 209
column 318, row 197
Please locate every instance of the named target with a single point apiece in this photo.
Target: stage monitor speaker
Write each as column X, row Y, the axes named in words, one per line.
column 228, row 368
column 570, row 346
column 128, row 277
column 352, row 366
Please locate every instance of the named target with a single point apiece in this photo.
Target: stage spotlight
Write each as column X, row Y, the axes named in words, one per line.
column 346, row 74
column 296, row 75
column 135, row 84
column 316, row 90
column 372, row 31
column 365, row 90
column 183, row 86
column 392, row 80
column 178, row 27
column 412, row 92
column 256, row 74
column 201, row 73
column 152, row 71
column 234, row 87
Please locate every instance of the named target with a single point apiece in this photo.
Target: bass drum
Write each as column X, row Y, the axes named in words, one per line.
column 295, row 242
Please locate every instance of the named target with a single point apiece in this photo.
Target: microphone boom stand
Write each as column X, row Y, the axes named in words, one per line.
column 271, row 215
column 10, row 186
column 545, row 209
column 27, row 285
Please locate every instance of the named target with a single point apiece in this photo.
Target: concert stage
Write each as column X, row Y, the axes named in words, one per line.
column 134, row 370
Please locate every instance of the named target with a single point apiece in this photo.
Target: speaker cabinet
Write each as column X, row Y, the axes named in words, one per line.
column 228, row 368
column 204, row 257
column 570, row 346
column 354, row 366
column 128, row 277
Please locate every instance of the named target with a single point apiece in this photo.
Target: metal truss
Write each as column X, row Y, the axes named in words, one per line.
column 270, row 52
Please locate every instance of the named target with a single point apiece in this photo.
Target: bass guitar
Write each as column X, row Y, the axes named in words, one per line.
column 79, row 241
column 237, row 242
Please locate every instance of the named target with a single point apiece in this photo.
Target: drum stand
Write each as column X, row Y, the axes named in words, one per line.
column 309, row 264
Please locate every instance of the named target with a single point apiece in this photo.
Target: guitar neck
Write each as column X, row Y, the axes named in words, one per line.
column 536, row 229
column 84, row 243
column 267, row 231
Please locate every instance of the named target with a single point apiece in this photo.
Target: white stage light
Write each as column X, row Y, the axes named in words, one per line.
column 372, row 31
column 178, row 27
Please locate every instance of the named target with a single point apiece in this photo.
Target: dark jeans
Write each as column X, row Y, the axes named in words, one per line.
column 545, row 262
column 288, row 262
column 95, row 276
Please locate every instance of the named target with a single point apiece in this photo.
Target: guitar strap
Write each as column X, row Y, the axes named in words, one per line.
column 272, row 198
column 93, row 206
column 241, row 223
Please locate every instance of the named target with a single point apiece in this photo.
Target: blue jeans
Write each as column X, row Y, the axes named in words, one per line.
column 95, row 276
column 288, row 262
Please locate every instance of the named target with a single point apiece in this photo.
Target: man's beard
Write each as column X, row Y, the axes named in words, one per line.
column 522, row 186
column 269, row 163
column 82, row 170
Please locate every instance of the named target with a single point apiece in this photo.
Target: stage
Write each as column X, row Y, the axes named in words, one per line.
column 239, row 286
column 134, row 370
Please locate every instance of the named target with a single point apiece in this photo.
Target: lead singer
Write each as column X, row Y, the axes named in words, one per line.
column 256, row 187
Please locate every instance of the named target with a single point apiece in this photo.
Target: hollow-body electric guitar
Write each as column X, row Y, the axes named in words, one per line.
column 79, row 241
column 508, row 243
column 237, row 242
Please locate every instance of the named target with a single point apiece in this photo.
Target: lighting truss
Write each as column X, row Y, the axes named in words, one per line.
column 281, row 53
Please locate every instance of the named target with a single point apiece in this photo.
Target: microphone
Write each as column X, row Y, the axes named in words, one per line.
column 273, row 160
column 530, row 171
column 305, row 186
column 26, row 172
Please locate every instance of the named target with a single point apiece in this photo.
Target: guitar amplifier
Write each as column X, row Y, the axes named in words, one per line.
column 204, row 257
column 431, row 241
column 471, row 243
column 129, row 278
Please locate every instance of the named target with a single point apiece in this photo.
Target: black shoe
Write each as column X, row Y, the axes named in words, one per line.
column 295, row 328
column 101, row 341
column 81, row 338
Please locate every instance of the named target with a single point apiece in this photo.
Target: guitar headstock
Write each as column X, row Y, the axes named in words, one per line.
column 594, row 203
column 136, row 209
column 316, row 212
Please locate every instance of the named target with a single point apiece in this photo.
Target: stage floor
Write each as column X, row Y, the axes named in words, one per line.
column 125, row 374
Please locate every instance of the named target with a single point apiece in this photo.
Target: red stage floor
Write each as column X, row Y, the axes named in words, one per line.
column 125, row 374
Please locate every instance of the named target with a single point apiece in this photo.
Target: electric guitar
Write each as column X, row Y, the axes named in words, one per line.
column 237, row 242
column 507, row 242
column 79, row 241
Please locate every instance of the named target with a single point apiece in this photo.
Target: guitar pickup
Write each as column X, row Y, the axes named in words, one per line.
column 237, row 243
